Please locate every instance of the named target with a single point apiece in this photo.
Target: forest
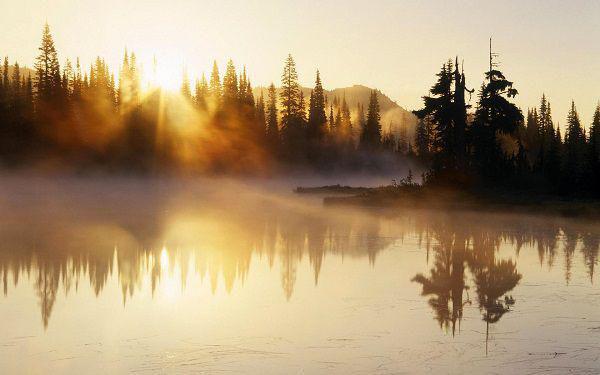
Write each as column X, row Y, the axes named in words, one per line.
column 83, row 119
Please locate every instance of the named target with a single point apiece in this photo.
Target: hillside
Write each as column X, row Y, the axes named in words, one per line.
column 393, row 116
column 23, row 70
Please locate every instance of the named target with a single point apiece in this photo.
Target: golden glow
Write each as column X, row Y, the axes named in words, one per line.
column 164, row 74
column 164, row 259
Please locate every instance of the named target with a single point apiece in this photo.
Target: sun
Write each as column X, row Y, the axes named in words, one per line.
column 165, row 74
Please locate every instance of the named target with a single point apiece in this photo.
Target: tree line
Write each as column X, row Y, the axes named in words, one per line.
column 86, row 118
column 494, row 145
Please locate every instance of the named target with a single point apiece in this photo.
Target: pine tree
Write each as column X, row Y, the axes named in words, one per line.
column 5, row 78
column 593, row 153
column 371, row 133
column 230, row 86
column 495, row 115
column 289, row 94
column 439, row 110
column 202, row 92
column 317, row 119
column 214, row 87
column 423, row 140
column 574, row 151
column 47, row 68
column 186, row 91
column 16, row 81
column 331, row 120
column 261, row 116
column 459, row 117
column 402, row 141
column 533, row 135
column 346, row 121
column 292, row 123
column 271, row 117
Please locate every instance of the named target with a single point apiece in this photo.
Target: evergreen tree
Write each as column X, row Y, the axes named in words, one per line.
column 574, row 151
column 331, row 120
column 317, row 119
column 271, row 117
column 48, row 78
column 402, row 141
column 439, row 110
column 16, row 82
column 495, row 115
column 371, row 133
column 5, row 78
column 459, row 116
column 214, row 87
column 261, row 116
column 186, row 90
column 292, row 124
column 202, row 92
column 290, row 93
column 346, row 121
column 533, row 135
column 230, row 86
column 593, row 153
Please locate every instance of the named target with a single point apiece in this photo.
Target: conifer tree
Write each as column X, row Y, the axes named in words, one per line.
column 271, row 118
column 261, row 116
column 459, row 116
column 593, row 153
column 47, row 68
column 360, row 116
column 230, row 86
column 202, row 92
column 331, row 120
column 214, row 87
column 533, row 135
column 292, row 124
column 574, row 150
column 346, row 121
column 186, row 90
column 5, row 78
column 16, row 81
column 423, row 140
column 290, row 93
column 317, row 119
column 371, row 133
column 495, row 115
column 439, row 110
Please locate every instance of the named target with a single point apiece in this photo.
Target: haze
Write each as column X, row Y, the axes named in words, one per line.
column 396, row 46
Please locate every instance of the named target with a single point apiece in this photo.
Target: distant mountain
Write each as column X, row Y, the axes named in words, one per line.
column 393, row 116
column 23, row 70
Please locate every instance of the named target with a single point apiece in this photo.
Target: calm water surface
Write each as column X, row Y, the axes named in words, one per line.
column 222, row 277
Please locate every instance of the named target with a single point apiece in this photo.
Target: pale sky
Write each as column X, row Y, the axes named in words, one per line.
column 396, row 46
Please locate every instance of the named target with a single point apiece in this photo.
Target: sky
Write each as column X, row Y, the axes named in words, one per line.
column 549, row 46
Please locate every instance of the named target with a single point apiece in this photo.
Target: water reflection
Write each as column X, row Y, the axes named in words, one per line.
column 59, row 240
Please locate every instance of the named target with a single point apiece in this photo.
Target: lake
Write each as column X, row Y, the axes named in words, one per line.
column 223, row 276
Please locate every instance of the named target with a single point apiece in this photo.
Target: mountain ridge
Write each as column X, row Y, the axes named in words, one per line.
column 394, row 117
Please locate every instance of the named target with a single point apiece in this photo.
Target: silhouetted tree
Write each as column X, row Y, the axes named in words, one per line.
column 317, row 119
column 371, row 133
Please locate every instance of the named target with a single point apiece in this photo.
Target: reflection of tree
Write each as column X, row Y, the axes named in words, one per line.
column 473, row 243
column 591, row 245
column 46, row 286
column 220, row 242
column 446, row 282
column 492, row 282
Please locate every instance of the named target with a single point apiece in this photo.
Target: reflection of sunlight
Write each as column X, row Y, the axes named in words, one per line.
column 164, row 259
column 171, row 283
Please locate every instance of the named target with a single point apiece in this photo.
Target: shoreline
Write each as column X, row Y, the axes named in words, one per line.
column 418, row 197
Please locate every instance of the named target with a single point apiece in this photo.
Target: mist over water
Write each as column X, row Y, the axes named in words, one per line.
column 240, row 275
